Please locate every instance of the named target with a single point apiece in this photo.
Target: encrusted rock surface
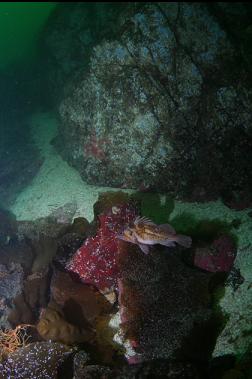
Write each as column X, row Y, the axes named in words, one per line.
column 164, row 305
column 39, row 360
column 72, row 31
column 11, row 285
column 236, row 338
column 157, row 102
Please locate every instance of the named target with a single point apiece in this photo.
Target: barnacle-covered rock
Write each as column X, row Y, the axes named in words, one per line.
column 11, row 286
column 70, row 44
column 94, row 371
column 39, row 360
column 164, row 306
column 80, row 361
column 11, row 280
column 165, row 95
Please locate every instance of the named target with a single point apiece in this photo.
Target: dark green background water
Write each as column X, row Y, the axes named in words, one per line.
column 20, row 24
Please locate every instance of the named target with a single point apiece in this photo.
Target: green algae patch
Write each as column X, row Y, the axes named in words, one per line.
column 154, row 206
column 231, row 301
column 203, row 230
column 20, row 24
column 243, row 363
column 159, row 208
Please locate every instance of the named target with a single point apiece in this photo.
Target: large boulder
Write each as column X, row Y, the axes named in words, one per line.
column 166, row 105
column 69, row 36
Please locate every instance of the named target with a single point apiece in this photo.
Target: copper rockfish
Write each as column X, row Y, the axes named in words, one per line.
column 144, row 232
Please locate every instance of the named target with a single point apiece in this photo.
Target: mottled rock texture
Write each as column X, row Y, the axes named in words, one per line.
column 11, row 286
column 39, row 360
column 164, row 305
column 236, row 337
column 153, row 369
column 166, row 104
column 70, row 35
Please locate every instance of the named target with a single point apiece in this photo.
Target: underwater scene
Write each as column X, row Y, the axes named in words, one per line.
column 125, row 190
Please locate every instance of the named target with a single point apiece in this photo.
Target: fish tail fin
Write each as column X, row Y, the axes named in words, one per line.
column 183, row 240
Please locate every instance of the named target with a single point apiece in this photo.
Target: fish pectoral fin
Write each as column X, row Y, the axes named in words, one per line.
column 145, row 248
column 121, row 237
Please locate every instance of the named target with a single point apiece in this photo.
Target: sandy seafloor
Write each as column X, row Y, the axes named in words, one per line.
column 56, row 183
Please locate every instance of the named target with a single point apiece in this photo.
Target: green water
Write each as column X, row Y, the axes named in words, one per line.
column 20, row 24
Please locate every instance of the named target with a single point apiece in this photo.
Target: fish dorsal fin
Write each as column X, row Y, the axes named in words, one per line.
column 167, row 228
column 143, row 220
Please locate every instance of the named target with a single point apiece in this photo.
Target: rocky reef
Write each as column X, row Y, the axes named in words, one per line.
column 169, row 99
column 96, row 306
column 69, row 38
column 155, row 98
column 38, row 360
